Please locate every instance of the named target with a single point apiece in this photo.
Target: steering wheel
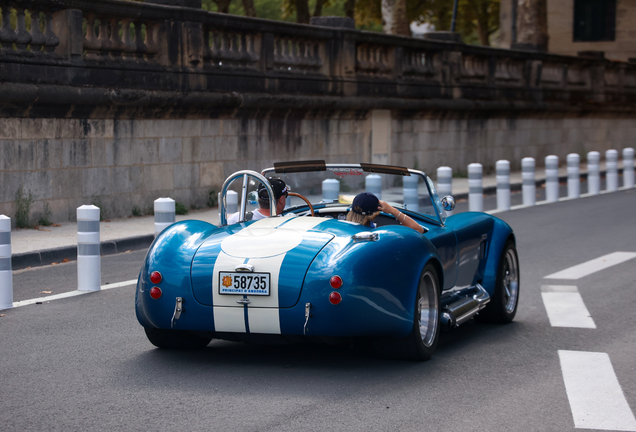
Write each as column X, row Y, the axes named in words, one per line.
column 311, row 208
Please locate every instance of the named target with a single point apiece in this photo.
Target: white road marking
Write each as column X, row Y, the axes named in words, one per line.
column 592, row 266
column 565, row 307
column 71, row 294
column 596, row 398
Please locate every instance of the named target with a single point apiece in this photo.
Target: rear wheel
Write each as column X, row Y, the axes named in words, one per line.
column 176, row 339
column 503, row 304
column 420, row 344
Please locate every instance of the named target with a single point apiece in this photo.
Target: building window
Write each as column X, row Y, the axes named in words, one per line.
column 594, row 20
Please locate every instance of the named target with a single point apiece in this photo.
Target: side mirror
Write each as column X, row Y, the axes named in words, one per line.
column 448, row 202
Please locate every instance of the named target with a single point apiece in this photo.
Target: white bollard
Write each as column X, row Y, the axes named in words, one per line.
column 628, row 167
column 551, row 178
column 410, row 194
column 164, row 214
column 330, row 190
column 574, row 176
column 89, row 264
column 611, row 164
column 503, row 184
column 593, row 173
column 373, row 184
column 529, row 186
column 6, row 274
column 475, row 187
column 445, row 183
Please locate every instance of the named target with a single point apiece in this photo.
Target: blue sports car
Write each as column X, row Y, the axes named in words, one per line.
column 296, row 269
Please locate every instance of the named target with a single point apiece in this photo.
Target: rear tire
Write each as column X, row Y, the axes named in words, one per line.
column 502, row 307
column 176, row 339
column 420, row 344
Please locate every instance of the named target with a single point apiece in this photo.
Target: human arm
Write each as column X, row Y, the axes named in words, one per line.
column 399, row 216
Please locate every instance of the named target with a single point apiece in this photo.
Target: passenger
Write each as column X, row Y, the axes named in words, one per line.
column 280, row 195
column 366, row 207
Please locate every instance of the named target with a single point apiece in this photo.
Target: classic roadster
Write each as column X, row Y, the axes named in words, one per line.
column 310, row 275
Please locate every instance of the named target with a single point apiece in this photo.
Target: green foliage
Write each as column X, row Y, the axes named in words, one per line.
column 180, row 209
column 213, row 199
column 477, row 20
column 23, row 202
column 136, row 211
column 45, row 218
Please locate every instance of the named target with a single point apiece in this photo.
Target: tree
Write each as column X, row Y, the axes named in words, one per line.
column 477, row 20
column 394, row 17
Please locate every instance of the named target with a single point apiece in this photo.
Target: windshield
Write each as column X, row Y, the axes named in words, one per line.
column 339, row 184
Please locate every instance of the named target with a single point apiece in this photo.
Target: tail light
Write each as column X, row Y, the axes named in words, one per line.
column 155, row 293
column 335, row 298
column 155, row 277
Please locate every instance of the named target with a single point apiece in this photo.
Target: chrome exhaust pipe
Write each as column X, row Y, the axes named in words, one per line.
column 471, row 301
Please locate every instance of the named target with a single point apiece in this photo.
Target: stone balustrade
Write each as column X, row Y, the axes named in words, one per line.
column 147, row 47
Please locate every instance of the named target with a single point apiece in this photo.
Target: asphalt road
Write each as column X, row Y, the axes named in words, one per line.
column 84, row 364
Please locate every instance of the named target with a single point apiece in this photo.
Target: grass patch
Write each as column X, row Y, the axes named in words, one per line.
column 23, row 202
column 45, row 218
column 180, row 209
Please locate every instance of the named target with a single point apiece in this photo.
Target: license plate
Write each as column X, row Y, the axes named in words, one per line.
column 244, row 283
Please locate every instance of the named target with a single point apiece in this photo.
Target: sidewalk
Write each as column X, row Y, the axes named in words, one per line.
column 56, row 243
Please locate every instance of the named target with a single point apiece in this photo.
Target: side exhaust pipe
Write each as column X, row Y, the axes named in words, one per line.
column 464, row 305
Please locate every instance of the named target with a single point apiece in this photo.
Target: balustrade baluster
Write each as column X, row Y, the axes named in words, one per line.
column 224, row 51
column 245, row 55
column 104, row 41
column 51, row 41
column 277, row 51
column 235, row 49
column 286, row 53
column 37, row 37
column 140, row 46
column 251, row 49
column 116, row 44
column 23, row 37
column 7, row 35
column 129, row 45
column 151, row 45
column 91, row 44
column 207, row 52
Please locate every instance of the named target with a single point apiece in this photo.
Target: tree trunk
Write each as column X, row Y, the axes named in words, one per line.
column 394, row 20
column 482, row 23
column 223, row 6
column 302, row 11
column 248, row 8
column 318, row 8
column 349, row 8
column 532, row 25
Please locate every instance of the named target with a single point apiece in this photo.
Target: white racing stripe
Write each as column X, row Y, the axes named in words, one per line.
column 265, row 244
column 565, row 307
column 592, row 266
column 596, row 398
column 71, row 294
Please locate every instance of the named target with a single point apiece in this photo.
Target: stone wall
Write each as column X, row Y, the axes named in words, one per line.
column 120, row 164
column 429, row 141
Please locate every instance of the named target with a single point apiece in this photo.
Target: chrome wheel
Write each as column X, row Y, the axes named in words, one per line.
column 510, row 281
column 428, row 309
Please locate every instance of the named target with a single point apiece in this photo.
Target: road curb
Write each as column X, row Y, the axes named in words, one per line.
column 55, row 255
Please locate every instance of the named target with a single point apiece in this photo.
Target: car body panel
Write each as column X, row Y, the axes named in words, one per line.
column 301, row 254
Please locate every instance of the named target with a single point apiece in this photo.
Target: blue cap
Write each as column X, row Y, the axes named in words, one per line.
column 365, row 203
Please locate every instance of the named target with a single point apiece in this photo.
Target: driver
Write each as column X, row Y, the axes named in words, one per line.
column 280, row 195
column 366, row 207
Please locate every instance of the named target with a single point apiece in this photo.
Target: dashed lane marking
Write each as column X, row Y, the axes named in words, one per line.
column 565, row 307
column 592, row 266
column 71, row 294
column 596, row 398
